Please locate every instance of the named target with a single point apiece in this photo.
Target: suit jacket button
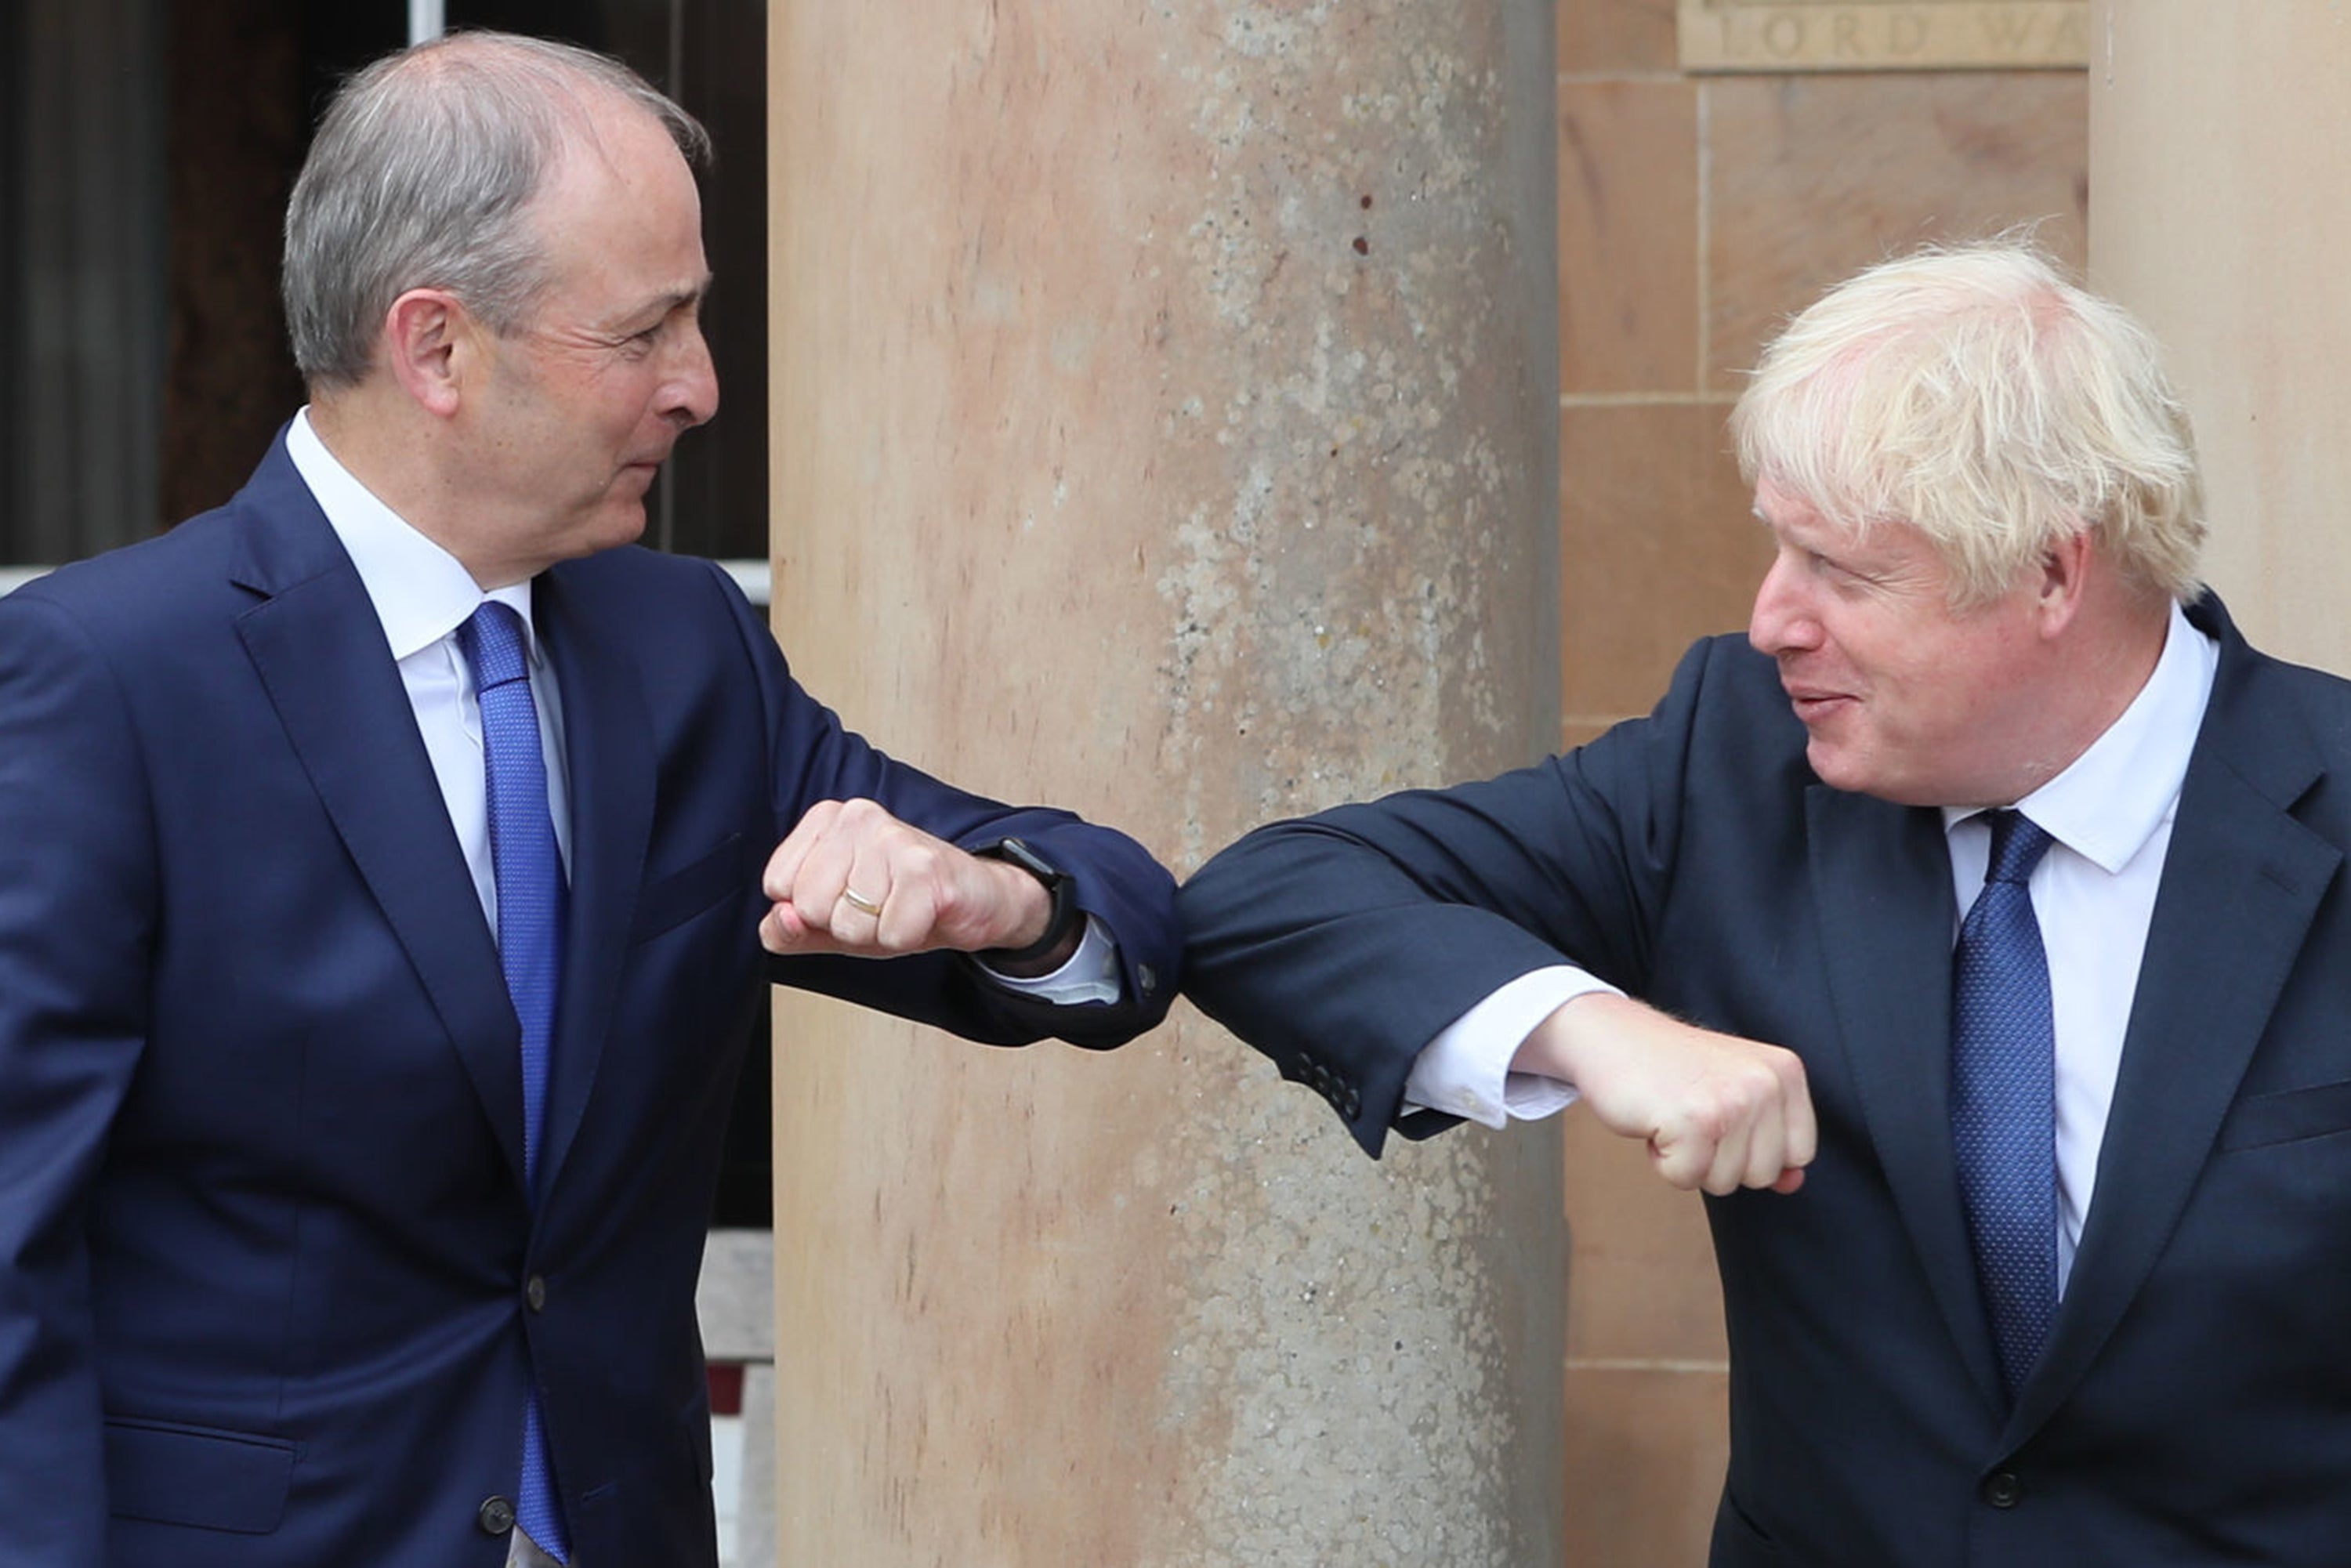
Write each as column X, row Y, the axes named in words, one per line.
column 1147, row 978
column 534, row 1294
column 496, row 1516
column 2002, row 1490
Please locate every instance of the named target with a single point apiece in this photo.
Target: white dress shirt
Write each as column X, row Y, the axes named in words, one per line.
column 422, row 594
column 2093, row 895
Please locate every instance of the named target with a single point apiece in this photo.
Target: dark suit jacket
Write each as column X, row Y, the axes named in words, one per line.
column 264, row 1240
column 2194, row 1403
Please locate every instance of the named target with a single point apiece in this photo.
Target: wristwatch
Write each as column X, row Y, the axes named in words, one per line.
column 1064, row 913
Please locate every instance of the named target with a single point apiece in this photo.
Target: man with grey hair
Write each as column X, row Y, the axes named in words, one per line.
column 2027, row 868
column 385, row 861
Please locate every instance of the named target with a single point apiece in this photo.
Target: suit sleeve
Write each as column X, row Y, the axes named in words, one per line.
column 1340, row 944
column 815, row 757
column 77, row 927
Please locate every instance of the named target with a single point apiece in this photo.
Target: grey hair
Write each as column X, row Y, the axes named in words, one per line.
column 422, row 176
column 1975, row 393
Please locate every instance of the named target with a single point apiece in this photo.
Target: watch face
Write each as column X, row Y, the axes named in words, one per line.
column 1027, row 860
column 1056, row 882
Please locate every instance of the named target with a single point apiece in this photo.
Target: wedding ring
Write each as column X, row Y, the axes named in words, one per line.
column 859, row 902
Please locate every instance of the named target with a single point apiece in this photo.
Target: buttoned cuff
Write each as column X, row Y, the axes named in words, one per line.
column 1466, row 1070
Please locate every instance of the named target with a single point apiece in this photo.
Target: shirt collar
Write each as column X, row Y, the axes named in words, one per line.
column 2109, row 802
column 420, row 592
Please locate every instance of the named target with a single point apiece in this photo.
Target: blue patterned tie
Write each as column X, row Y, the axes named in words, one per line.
column 530, row 946
column 2004, row 1099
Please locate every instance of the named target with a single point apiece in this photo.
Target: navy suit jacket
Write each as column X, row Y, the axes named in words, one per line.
column 264, row 1238
column 2194, row 1403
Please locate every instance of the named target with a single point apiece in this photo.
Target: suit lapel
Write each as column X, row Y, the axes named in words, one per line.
column 2242, row 883
column 608, row 741
column 1881, row 881
column 313, row 641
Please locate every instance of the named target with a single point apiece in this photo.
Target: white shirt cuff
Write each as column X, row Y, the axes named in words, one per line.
column 1091, row 974
column 1466, row 1070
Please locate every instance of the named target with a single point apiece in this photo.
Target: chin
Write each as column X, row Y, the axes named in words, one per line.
column 622, row 525
column 1838, row 768
column 1855, row 777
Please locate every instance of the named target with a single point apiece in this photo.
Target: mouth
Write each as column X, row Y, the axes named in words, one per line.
column 1812, row 704
column 640, row 474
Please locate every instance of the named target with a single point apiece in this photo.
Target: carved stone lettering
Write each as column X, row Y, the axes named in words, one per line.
column 1882, row 35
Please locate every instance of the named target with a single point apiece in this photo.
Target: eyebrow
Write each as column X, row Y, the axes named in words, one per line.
column 699, row 291
column 661, row 307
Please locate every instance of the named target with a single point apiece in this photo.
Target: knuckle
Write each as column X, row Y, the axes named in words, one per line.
column 1717, row 1111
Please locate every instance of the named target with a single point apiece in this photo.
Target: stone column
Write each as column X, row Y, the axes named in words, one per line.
column 1163, row 426
column 2218, row 137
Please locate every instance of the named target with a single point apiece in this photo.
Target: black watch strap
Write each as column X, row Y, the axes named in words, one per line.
column 1064, row 914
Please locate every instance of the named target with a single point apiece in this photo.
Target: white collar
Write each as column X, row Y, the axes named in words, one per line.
column 420, row 592
column 2110, row 800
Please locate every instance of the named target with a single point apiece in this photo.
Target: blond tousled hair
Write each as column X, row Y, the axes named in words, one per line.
column 1975, row 393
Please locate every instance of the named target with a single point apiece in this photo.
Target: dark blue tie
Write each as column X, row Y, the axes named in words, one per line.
column 2004, row 1098
column 530, row 946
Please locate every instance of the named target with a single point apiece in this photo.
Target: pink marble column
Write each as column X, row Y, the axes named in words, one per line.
column 1164, row 424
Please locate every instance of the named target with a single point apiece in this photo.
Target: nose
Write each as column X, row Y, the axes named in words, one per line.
column 1782, row 620
column 690, row 394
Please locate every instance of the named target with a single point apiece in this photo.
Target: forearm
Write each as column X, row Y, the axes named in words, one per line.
column 1302, row 931
column 1470, row 1070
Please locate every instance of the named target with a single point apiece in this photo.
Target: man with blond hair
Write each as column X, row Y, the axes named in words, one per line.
column 1973, row 933
column 385, row 861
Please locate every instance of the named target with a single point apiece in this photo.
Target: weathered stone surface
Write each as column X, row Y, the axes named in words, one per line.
column 2219, row 135
column 1164, row 424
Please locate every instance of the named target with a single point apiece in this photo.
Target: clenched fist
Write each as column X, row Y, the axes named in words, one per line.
column 1717, row 1112
column 852, row 878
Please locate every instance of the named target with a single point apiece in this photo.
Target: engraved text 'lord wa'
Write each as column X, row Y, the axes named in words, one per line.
column 1883, row 34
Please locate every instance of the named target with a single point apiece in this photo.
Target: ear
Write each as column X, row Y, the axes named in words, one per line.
column 2065, row 579
column 425, row 335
